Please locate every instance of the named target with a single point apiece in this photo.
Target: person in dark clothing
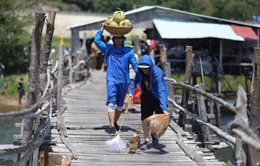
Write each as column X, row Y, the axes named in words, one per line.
column 20, row 90
column 154, row 97
column 2, row 67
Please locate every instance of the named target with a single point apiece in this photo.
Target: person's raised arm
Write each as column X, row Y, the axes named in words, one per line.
column 100, row 44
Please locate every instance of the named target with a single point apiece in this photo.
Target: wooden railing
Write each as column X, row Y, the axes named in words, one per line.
column 47, row 84
column 240, row 133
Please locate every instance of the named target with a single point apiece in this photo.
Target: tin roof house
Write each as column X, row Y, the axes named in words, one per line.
column 226, row 43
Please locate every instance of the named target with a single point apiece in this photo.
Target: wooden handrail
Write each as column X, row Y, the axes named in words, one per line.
column 218, row 131
column 203, row 93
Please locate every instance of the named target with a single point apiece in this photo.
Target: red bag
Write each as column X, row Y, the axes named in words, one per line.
column 137, row 95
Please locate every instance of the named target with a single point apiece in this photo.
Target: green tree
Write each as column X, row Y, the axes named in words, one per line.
column 237, row 9
column 13, row 35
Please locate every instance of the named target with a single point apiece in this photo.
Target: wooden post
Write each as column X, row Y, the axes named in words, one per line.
column 187, row 78
column 242, row 119
column 84, row 48
column 255, row 108
column 42, row 158
column 77, row 62
column 45, row 52
column 34, row 86
column 220, row 69
column 60, row 76
column 137, row 48
column 258, row 34
column 168, row 74
column 75, row 40
column 163, row 58
column 70, row 69
column 203, row 115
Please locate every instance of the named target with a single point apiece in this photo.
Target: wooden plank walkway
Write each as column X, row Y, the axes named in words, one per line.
column 87, row 127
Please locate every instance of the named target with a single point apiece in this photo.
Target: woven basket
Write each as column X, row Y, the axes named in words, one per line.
column 118, row 31
column 157, row 124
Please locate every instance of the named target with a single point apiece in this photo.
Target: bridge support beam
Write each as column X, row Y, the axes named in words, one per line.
column 255, row 108
column 187, row 78
column 34, row 86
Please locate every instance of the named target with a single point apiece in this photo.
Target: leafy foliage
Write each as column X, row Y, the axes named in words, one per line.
column 13, row 36
column 8, row 85
column 231, row 9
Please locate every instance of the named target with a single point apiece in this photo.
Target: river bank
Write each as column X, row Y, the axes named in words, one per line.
column 11, row 101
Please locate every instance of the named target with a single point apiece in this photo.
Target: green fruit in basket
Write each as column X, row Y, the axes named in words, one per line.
column 125, row 23
column 109, row 20
column 118, row 16
column 113, row 24
column 128, row 23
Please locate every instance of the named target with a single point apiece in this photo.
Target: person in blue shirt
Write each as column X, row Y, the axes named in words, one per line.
column 154, row 97
column 118, row 57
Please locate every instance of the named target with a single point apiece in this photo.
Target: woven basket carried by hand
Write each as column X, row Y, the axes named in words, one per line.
column 158, row 124
column 118, row 31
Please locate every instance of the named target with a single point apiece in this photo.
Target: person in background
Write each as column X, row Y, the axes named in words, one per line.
column 118, row 57
column 129, row 43
column 20, row 90
column 154, row 97
column 2, row 67
column 94, row 53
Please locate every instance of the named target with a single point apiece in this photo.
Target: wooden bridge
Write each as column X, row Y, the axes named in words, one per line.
column 65, row 121
column 87, row 126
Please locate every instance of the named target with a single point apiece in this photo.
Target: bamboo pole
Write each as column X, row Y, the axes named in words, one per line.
column 255, row 108
column 187, row 78
column 60, row 75
column 203, row 115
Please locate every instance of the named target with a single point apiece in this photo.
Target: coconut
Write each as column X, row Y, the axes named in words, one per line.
column 118, row 16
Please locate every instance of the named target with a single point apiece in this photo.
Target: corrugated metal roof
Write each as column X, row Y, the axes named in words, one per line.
column 245, row 32
column 169, row 29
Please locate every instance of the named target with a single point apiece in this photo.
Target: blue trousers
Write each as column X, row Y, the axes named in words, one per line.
column 116, row 93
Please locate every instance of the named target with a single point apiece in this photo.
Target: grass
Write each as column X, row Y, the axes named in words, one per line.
column 8, row 85
column 56, row 42
column 12, row 81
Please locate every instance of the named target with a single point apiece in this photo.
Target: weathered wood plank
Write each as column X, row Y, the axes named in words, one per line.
column 87, row 127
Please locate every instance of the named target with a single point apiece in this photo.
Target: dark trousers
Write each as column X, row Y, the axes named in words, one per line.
column 149, row 105
column 21, row 93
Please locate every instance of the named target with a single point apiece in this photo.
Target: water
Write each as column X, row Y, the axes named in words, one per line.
column 225, row 154
column 7, row 130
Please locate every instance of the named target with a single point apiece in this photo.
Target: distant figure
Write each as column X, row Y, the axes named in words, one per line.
column 20, row 90
column 129, row 43
column 94, row 53
column 2, row 67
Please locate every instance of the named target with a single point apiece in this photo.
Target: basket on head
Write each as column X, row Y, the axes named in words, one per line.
column 118, row 31
column 157, row 124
